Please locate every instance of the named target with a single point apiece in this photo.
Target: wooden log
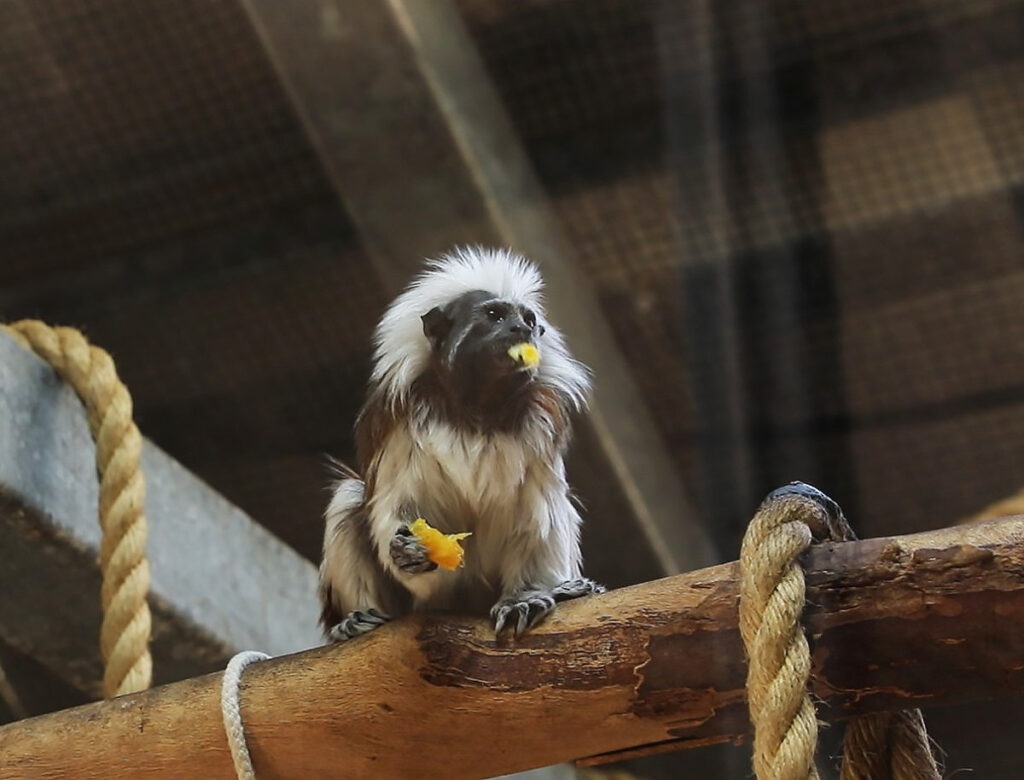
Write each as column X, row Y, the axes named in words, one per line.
column 933, row 618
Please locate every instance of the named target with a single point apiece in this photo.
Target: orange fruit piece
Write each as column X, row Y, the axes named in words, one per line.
column 443, row 549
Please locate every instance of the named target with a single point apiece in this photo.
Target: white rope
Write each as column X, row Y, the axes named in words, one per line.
column 231, row 710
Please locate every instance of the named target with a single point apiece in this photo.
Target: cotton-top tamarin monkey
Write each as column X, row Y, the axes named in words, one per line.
column 460, row 429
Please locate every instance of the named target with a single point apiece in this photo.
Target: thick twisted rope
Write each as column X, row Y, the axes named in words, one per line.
column 772, row 594
column 771, row 603
column 124, row 636
column 888, row 746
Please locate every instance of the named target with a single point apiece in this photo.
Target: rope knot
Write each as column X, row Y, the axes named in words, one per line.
column 772, row 597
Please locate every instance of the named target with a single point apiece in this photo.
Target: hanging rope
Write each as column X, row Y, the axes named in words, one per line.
column 231, row 712
column 888, row 745
column 124, row 636
column 771, row 603
column 885, row 746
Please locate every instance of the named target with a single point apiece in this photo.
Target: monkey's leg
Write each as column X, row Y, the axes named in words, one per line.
column 408, row 554
column 358, row 623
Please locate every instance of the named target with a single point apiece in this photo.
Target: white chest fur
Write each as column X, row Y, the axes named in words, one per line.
column 484, row 473
column 462, row 481
column 501, row 488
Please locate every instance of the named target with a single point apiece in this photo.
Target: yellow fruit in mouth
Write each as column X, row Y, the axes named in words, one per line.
column 443, row 549
column 524, row 353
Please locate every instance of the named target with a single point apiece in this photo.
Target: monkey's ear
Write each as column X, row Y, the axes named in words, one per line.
column 436, row 326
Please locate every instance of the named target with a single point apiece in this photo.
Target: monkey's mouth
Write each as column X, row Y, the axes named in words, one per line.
column 525, row 354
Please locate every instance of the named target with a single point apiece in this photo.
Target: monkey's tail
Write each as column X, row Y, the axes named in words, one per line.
column 340, row 471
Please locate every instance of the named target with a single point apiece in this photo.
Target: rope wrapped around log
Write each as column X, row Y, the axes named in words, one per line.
column 881, row 746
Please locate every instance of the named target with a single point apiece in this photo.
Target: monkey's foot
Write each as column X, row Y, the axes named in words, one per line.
column 529, row 607
column 573, row 589
column 522, row 610
column 409, row 554
column 358, row 623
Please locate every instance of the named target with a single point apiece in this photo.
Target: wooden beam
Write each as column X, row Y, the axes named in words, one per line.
column 422, row 153
column 921, row 620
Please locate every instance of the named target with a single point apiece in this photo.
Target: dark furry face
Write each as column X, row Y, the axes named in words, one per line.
column 470, row 338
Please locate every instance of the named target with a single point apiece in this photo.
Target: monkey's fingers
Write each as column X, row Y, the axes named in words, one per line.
column 522, row 611
column 409, row 554
column 508, row 615
column 574, row 589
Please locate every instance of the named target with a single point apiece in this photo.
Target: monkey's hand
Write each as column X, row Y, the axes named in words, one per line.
column 409, row 554
column 526, row 608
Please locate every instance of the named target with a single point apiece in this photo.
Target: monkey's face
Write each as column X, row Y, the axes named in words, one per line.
column 470, row 338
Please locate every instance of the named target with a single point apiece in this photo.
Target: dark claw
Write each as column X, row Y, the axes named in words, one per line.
column 522, row 617
column 539, row 608
column 500, row 617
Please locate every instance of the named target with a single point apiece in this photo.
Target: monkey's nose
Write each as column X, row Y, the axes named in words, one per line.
column 518, row 328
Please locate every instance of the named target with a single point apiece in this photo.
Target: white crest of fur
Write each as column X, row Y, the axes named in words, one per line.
column 402, row 350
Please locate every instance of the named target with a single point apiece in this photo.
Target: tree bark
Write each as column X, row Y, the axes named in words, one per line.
column 933, row 618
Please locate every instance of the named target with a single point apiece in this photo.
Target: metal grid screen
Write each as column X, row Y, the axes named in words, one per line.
column 804, row 221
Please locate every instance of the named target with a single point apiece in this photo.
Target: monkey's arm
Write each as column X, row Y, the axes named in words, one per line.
column 403, row 558
column 544, row 567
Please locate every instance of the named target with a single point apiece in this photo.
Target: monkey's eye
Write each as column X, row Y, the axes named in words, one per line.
column 494, row 314
column 530, row 319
